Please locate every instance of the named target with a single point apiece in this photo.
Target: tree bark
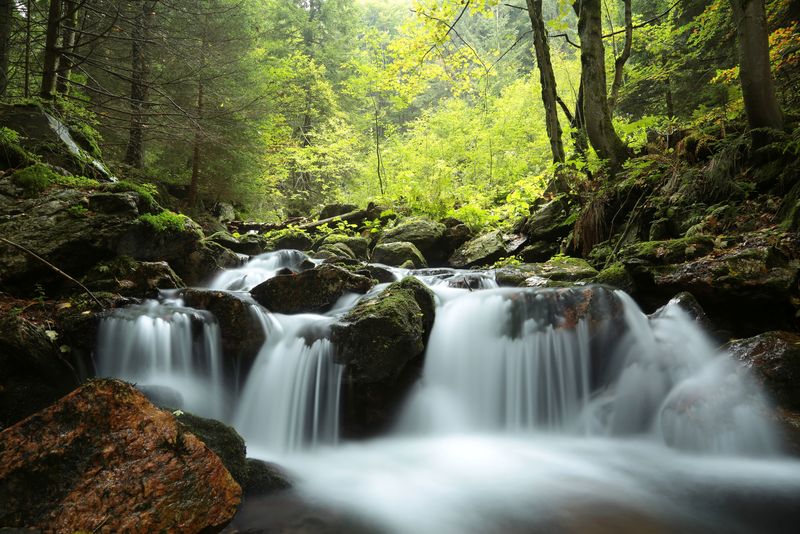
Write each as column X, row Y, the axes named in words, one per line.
column 6, row 20
column 619, row 63
column 26, row 86
column 758, row 88
column 51, row 50
column 194, row 185
column 134, row 155
column 69, row 36
column 596, row 113
column 547, row 79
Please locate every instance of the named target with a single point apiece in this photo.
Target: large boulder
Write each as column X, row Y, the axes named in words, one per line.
column 334, row 210
column 248, row 244
column 549, row 221
column 240, row 328
column 104, row 457
column 381, row 342
column 264, row 478
column 424, row 234
column 359, row 246
column 128, row 277
column 206, row 261
column 399, row 254
column 33, row 373
column 486, row 249
column 315, row 290
column 774, row 358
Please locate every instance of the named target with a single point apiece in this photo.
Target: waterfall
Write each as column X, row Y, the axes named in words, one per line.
column 168, row 346
column 291, row 398
column 259, row 269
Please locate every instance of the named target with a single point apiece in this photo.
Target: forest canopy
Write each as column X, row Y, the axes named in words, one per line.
column 471, row 109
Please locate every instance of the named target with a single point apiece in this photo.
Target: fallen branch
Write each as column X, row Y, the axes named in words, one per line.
column 53, row 267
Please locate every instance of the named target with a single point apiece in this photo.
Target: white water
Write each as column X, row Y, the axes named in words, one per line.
column 524, row 420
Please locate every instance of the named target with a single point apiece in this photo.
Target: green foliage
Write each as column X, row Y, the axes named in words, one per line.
column 509, row 261
column 78, row 211
column 166, row 221
column 35, row 178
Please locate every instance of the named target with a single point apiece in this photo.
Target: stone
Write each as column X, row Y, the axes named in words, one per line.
column 337, row 250
column 32, row 373
column 205, row 262
column 128, row 277
column 381, row 342
column 549, row 221
column 398, row 253
column 334, row 210
column 241, row 330
column 264, row 478
column 223, row 440
column 424, row 234
column 615, row 275
column 105, row 457
column 224, row 212
column 249, row 244
column 538, row 251
column 455, row 235
column 290, row 240
column 562, row 269
column 774, row 358
column 315, row 290
column 486, row 249
column 358, row 246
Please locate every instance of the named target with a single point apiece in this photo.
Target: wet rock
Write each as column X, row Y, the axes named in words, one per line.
column 357, row 246
column 223, row 440
column 33, row 374
column 398, row 254
column 162, row 396
column 249, row 244
column 455, row 235
column 615, row 275
column 558, row 269
column 688, row 303
column 486, row 249
column 105, row 457
column 290, row 240
column 424, row 234
column 774, row 358
column 207, row 261
column 669, row 251
column 383, row 276
column 264, row 478
column 538, row 252
column 381, row 342
column 128, row 277
column 336, row 250
column 241, row 331
column 315, row 290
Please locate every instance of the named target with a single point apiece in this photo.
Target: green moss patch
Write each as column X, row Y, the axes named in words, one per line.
column 166, row 221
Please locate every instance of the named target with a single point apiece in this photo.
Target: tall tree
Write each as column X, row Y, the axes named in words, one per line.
column 69, row 41
column 52, row 53
column 547, row 79
column 596, row 113
column 134, row 154
column 758, row 88
column 619, row 62
column 6, row 21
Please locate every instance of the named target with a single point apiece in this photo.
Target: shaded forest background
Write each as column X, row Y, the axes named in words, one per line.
column 434, row 107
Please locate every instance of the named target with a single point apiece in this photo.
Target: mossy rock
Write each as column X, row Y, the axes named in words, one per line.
column 223, row 440
column 264, row 479
column 358, row 246
column 615, row 275
column 669, row 251
column 397, row 254
column 424, row 234
column 337, row 250
column 288, row 239
column 483, row 250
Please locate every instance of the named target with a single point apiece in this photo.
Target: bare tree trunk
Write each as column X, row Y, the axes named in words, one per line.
column 755, row 75
column 26, row 88
column 547, row 79
column 51, row 50
column 597, row 115
column 619, row 63
column 134, row 155
column 6, row 21
column 194, row 185
column 69, row 35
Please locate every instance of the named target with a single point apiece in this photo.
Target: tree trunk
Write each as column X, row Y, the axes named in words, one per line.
column 26, row 86
column 51, row 50
column 758, row 89
column 134, row 155
column 547, row 79
column 6, row 20
column 69, row 35
column 194, row 185
column 619, row 63
column 596, row 113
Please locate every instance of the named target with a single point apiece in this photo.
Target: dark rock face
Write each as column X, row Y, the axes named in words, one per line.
column 132, row 278
column 291, row 241
column 249, row 244
column 264, row 478
column 223, row 441
column 334, row 210
column 315, row 290
column 241, row 331
column 104, row 457
column 774, row 358
column 381, row 342
column 358, row 246
column 539, row 251
column 32, row 375
column 399, row 254
column 455, row 235
column 486, row 249
column 549, row 222
column 425, row 235
column 206, row 261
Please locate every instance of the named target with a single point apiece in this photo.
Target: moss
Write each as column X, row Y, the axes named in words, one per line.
column 166, row 221
column 78, row 211
column 147, row 193
column 87, row 137
column 670, row 251
column 615, row 275
column 34, row 179
column 12, row 155
column 76, row 182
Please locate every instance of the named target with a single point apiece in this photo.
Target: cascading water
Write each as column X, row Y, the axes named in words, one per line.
column 166, row 345
column 537, row 410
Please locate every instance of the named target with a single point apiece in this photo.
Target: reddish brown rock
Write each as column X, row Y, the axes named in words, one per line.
column 104, row 459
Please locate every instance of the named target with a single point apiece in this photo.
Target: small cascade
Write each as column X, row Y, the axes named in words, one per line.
column 169, row 346
column 291, row 398
column 260, row 269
